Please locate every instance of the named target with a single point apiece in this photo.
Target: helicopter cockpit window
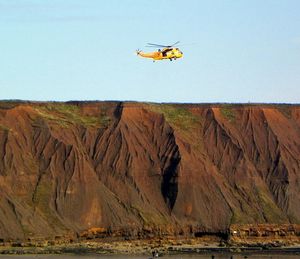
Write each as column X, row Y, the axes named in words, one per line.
column 164, row 52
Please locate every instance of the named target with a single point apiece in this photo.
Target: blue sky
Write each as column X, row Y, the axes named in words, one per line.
column 234, row 50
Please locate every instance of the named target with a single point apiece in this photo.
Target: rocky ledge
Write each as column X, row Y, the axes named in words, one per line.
column 251, row 238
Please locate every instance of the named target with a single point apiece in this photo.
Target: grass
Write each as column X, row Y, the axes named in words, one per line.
column 42, row 199
column 285, row 110
column 179, row 117
column 148, row 218
column 267, row 210
column 182, row 120
column 271, row 211
column 42, row 196
column 245, row 216
column 227, row 112
column 4, row 128
column 6, row 105
column 67, row 114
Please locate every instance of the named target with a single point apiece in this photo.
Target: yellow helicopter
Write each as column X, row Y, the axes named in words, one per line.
column 168, row 52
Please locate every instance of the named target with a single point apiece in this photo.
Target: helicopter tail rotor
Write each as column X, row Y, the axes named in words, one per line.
column 138, row 51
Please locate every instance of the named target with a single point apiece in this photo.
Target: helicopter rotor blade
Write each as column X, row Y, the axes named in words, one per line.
column 157, row 45
column 153, row 46
column 174, row 43
column 187, row 44
column 162, row 46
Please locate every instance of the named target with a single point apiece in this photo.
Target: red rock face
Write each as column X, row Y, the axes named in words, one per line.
column 70, row 167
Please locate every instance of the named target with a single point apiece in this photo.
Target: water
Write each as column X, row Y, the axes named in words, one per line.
column 209, row 256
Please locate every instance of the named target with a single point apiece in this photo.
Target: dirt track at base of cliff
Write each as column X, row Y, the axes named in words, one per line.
column 134, row 169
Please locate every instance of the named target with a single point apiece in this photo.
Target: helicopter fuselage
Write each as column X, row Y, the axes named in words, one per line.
column 165, row 53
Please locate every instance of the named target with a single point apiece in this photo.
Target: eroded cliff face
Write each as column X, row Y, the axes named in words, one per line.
column 131, row 167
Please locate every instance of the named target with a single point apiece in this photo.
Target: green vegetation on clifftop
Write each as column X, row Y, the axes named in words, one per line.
column 227, row 112
column 66, row 114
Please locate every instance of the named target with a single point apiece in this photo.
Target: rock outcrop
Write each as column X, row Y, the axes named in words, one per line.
column 136, row 168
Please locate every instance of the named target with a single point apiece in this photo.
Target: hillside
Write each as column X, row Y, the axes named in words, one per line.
column 134, row 169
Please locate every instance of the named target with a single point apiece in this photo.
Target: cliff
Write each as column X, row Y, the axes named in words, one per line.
column 131, row 169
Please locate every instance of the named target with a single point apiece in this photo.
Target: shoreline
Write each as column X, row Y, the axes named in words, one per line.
column 145, row 247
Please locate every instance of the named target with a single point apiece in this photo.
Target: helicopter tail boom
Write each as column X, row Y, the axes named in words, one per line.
column 153, row 55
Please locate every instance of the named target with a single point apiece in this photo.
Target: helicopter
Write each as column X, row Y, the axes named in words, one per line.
column 168, row 52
